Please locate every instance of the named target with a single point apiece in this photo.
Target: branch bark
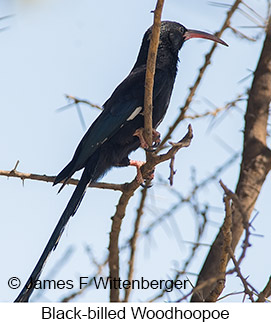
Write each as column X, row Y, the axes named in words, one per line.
column 256, row 162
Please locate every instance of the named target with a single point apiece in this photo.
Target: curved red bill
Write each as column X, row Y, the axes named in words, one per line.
column 191, row 33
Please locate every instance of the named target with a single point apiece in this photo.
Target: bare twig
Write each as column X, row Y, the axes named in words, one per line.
column 243, row 280
column 241, row 35
column 133, row 241
column 4, row 18
column 172, row 171
column 77, row 100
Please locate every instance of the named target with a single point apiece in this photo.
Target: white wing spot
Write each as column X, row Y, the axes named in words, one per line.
column 104, row 141
column 135, row 113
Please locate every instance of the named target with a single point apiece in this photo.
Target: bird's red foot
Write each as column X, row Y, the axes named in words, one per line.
column 138, row 164
column 155, row 138
column 139, row 176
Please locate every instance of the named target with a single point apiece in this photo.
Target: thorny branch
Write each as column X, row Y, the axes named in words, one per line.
column 247, row 290
column 50, row 179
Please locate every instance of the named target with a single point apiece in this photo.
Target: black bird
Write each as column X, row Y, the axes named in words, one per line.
column 118, row 129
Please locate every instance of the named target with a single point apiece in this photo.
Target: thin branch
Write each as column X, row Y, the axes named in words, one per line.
column 50, row 179
column 77, row 100
column 6, row 17
column 133, row 241
column 253, row 11
column 230, row 294
column 172, row 171
column 243, row 280
column 241, row 35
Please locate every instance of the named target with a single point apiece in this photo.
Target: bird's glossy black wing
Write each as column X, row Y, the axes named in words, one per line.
column 126, row 98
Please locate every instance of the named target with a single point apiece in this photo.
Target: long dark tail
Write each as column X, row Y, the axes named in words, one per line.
column 69, row 211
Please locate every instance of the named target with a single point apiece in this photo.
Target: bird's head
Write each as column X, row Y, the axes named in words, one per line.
column 172, row 37
column 176, row 34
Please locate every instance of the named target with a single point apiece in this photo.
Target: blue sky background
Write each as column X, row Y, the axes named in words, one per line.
column 85, row 48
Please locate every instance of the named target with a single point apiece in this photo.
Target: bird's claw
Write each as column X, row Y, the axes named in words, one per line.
column 144, row 185
column 150, row 149
column 153, row 147
column 147, row 181
column 155, row 138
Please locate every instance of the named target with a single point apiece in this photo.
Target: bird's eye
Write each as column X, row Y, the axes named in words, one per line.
column 182, row 30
